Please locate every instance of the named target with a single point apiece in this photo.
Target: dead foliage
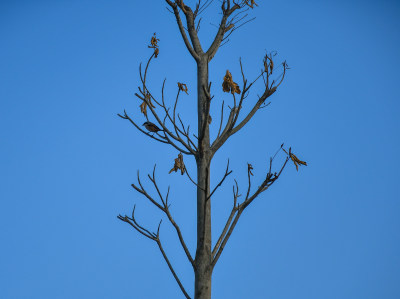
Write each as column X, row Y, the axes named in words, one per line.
column 179, row 165
column 228, row 85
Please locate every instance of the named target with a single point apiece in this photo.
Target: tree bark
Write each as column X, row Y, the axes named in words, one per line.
column 203, row 269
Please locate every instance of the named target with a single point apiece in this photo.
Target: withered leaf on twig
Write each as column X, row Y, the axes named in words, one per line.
column 179, row 165
column 154, row 44
column 156, row 51
column 143, row 106
column 295, row 160
column 249, row 168
column 148, row 98
column 183, row 87
column 228, row 85
column 154, row 41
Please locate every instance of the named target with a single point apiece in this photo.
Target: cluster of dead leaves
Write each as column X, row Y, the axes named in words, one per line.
column 228, row 85
column 154, row 44
column 183, row 87
column 250, row 3
column 143, row 106
column 179, row 165
column 295, row 160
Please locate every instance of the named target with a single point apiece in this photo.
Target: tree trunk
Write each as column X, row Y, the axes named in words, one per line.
column 203, row 269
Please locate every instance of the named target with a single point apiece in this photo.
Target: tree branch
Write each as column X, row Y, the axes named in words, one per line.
column 207, row 110
column 167, row 212
column 190, row 178
column 237, row 210
column 226, row 13
column 196, row 49
column 172, row 269
column 136, row 226
column 146, row 97
column 227, row 172
column 125, row 116
column 222, row 118
column 155, row 237
column 230, row 127
column 173, row 119
column 164, row 206
column 236, row 195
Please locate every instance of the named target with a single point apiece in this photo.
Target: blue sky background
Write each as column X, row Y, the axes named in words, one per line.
column 330, row 230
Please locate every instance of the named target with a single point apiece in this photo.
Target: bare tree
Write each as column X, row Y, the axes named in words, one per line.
column 168, row 127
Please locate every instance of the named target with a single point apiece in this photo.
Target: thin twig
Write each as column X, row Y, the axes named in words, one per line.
column 227, row 172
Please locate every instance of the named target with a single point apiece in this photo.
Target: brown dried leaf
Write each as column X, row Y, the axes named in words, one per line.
column 228, row 85
column 154, row 45
column 148, row 98
column 183, row 87
column 225, row 86
column 179, row 165
column 154, row 41
column 236, row 88
column 296, row 160
column 143, row 108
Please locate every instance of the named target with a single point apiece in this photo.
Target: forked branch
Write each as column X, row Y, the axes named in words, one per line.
column 238, row 209
column 231, row 126
column 227, row 172
column 176, row 140
column 193, row 46
column 126, row 116
column 164, row 207
column 155, row 237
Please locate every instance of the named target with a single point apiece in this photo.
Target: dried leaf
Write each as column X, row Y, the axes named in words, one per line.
column 154, row 44
column 183, row 87
column 225, row 86
column 228, row 85
column 148, row 98
column 236, row 88
column 179, row 165
column 296, row 160
column 249, row 168
column 143, row 108
column 154, row 41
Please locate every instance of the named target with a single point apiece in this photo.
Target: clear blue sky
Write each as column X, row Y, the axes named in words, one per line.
column 329, row 231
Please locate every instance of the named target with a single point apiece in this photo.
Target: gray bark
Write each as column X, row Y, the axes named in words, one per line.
column 203, row 259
